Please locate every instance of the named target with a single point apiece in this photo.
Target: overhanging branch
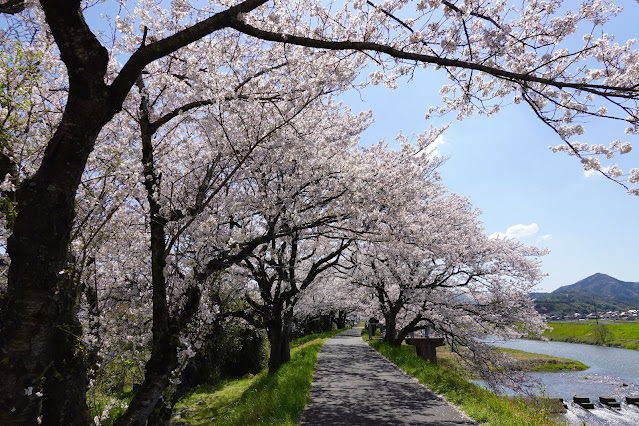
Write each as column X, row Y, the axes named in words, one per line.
column 518, row 78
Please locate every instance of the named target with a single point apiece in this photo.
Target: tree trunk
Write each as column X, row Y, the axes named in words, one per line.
column 326, row 322
column 162, row 413
column 37, row 305
column 401, row 335
column 410, row 327
column 278, row 332
column 341, row 319
column 148, row 404
column 38, row 299
column 164, row 346
column 390, row 333
column 64, row 400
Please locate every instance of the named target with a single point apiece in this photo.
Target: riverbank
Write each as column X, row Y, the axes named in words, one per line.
column 528, row 361
column 614, row 334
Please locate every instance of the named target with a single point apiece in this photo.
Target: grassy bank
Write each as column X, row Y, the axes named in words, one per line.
column 266, row 399
column 527, row 361
column 480, row 404
column 621, row 335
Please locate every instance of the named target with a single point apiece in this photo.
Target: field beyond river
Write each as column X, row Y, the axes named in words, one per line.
column 615, row 334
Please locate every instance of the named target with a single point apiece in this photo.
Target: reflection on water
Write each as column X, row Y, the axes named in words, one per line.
column 613, row 372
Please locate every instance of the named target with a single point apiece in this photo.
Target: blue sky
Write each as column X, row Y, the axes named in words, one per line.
column 503, row 165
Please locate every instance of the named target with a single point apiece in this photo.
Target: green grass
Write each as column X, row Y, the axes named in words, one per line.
column 482, row 405
column 527, row 361
column 524, row 361
column 113, row 390
column 622, row 335
column 266, row 399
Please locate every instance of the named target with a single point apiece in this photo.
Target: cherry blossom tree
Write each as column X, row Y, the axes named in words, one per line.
column 304, row 197
column 194, row 149
column 492, row 52
column 431, row 266
column 444, row 247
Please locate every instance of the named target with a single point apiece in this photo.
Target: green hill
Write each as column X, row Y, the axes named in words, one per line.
column 599, row 292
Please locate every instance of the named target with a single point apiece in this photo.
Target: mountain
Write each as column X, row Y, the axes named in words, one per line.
column 598, row 292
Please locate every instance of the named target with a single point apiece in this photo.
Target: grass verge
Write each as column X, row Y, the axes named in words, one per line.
column 621, row 335
column 480, row 404
column 266, row 399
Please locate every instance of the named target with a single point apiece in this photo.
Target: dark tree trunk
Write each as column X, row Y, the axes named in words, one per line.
column 401, row 335
column 411, row 327
column 148, row 403
column 390, row 333
column 162, row 413
column 39, row 301
column 164, row 345
column 64, row 400
column 35, row 306
column 327, row 322
column 38, row 298
column 341, row 319
column 279, row 333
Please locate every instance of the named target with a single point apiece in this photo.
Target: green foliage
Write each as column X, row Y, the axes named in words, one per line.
column 19, row 75
column 480, row 404
column 266, row 399
column 567, row 305
column 118, row 375
column 9, row 208
column 235, row 351
column 20, row 71
column 601, row 334
column 113, row 389
column 623, row 335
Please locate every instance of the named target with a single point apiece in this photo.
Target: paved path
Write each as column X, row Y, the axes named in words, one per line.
column 355, row 385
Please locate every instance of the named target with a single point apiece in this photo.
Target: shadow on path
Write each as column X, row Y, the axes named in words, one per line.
column 355, row 385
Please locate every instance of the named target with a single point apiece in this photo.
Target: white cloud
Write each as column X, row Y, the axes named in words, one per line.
column 544, row 237
column 591, row 172
column 431, row 149
column 517, row 231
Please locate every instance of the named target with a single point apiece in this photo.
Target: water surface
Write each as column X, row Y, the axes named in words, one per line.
column 613, row 372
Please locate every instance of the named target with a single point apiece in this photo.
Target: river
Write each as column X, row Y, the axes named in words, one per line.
column 613, row 372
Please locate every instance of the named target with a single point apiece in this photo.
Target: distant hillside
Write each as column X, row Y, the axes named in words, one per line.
column 599, row 291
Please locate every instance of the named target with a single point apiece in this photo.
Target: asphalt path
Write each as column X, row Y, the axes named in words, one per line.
column 355, row 385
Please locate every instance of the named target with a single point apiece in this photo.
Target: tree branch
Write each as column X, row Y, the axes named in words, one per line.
column 156, row 50
column 515, row 77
